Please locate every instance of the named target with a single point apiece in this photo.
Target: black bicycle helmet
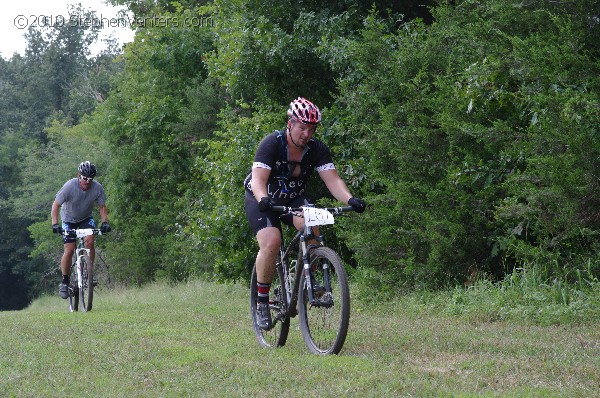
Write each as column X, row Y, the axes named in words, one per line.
column 87, row 169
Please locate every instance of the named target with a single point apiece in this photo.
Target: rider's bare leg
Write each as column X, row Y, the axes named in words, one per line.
column 89, row 244
column 269, row 241
column 65, row 261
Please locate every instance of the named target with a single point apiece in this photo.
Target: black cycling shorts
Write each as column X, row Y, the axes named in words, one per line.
column 67, row 226
column 259, row 220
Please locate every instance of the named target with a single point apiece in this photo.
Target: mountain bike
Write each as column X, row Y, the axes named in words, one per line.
column 81, row 285
column 309, row 276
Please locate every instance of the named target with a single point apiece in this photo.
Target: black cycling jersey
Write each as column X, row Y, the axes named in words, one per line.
column 272, row 154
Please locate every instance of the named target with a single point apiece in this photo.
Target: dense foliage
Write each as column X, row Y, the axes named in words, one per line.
column 471, row 128
column 475, row 138
column 45, row 96
column 479, row 137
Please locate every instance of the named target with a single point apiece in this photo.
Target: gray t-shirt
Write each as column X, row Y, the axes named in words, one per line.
column 77, row 204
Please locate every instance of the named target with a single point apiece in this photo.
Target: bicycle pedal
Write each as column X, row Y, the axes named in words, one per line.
column 325, row 302
column 318, row 290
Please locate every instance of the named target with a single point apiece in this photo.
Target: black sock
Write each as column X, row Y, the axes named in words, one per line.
column 65, row 279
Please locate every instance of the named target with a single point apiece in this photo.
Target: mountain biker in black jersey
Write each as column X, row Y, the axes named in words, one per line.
column 76, row 201
column 282, row 166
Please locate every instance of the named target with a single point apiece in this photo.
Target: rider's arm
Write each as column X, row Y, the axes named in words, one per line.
column 103, row 213
column 336, row 185
column 54, row 212
column 260, row 176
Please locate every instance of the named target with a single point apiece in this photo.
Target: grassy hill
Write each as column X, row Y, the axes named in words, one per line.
column 195, row 339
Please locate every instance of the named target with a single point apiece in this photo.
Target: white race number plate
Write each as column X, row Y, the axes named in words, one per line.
column 313, row 216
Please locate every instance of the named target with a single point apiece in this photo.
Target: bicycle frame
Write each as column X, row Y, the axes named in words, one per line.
column 314, row 287
column 80, row 253
column 303, row 236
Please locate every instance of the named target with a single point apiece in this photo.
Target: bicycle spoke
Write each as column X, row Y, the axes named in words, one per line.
column 325, row 322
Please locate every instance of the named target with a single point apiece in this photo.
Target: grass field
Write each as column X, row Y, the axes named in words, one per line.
column 196, row 340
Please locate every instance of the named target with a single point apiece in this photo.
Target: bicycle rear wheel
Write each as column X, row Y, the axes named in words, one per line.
column 73, row 291
column 324, row 325
column 86, row 293
column 277, row 336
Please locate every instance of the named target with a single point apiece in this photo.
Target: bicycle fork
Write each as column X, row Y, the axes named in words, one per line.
column 80, row 253
column 309, row 277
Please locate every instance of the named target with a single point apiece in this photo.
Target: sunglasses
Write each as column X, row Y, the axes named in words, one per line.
column 86, row 179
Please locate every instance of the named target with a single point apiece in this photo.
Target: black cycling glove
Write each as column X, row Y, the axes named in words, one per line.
column 265, row 204
column 357, row 204
column 57, row 229
column 104, row 227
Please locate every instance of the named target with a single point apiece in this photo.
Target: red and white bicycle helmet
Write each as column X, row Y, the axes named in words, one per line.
column 304, row 111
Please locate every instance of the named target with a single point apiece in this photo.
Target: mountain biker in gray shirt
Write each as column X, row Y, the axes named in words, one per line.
column 76, row 201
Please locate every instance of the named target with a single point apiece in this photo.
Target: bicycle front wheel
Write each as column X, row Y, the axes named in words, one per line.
column 86, row 293
column 277, row 336
column 324, row 323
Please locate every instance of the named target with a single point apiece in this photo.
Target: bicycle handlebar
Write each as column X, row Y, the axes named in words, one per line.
column 82, row 232
column 333, row 210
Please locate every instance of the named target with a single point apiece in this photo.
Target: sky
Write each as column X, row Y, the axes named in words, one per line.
column 17, row 15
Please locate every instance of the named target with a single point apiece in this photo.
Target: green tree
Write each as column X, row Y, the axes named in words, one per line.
column 13, row 235
column 472, row 134
column 150, row 123
column 56, row 57
column 53, row 81
column 265, row 55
